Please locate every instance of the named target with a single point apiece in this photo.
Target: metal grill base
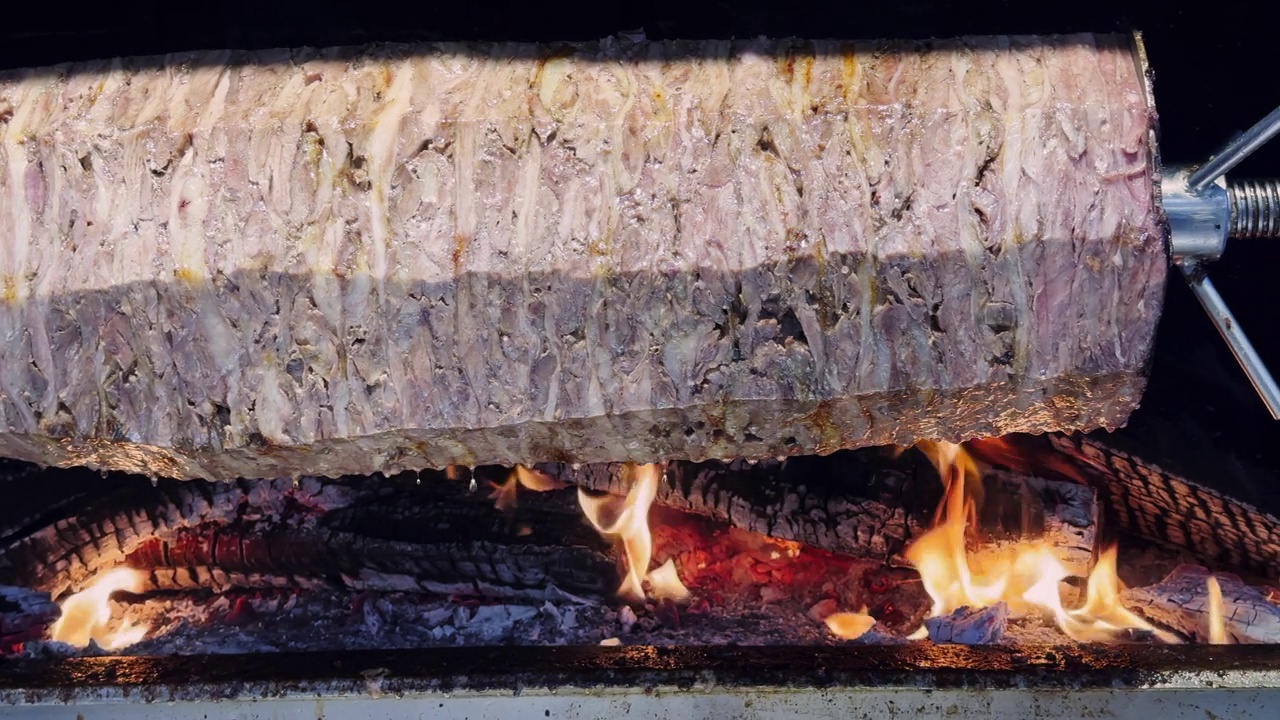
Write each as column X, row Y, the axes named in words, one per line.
column 648, row 682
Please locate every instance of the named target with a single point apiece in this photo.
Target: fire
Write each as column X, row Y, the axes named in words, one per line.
column 1217, row 624
column 627, row 520
column 630, row 525
column 504, row 495
column 86, row 615
column 940, row 556
column 954, row 466
column 850, row 626
column 665, row 584
column 1020, row 454
column 1027, row 577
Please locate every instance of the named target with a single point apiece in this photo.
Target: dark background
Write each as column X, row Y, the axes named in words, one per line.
column 1215, row 65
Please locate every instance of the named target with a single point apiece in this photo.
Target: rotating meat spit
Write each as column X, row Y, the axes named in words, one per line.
column 343, row 261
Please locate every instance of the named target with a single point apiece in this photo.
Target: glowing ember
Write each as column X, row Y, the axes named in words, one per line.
column 86, row 615
column 1026, row 576
column 850, row 626
column 1217, row 624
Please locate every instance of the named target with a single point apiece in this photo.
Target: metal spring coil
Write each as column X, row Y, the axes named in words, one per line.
column 1255, row 208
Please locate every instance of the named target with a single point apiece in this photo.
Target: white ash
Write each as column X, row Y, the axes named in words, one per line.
column 627, row 619
column 1181, row 602
column 726, row 610
column 1033, row 630
column 337, row 620
column 332, row 620
column 969, row 626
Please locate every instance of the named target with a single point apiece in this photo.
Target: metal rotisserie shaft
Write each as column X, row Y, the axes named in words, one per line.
column 259, row 264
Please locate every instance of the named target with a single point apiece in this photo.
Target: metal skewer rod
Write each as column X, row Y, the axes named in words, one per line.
column 1204, row 210
column 1235, row 151
column 1235, row 338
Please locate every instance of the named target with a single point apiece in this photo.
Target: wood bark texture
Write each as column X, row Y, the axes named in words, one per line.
column 438, row 535
column 858, row 503
column 393, row 535
column 1144, row 500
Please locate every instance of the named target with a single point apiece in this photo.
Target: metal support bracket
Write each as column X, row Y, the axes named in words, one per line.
column 1204, row 211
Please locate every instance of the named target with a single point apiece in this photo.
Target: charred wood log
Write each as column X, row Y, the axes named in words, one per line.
column 363, row 532
column 855, row 503
column 1064, row 515
column 385, row 533
column 511, row 567
column 30, row 496
column 25, row 615
column 342, row 261
column 1149, row 502
column 840, row 503
column 76, row 541
column 1143, row 500
column 1181, row 603
column 435, row 537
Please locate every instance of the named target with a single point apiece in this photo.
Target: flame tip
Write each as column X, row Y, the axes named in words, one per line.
column 86, row 615
column 1030, row 581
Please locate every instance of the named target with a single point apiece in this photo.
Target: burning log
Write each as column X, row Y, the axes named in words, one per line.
column 441, row 535
column 443, row 538
column 71, row 545
column 25, row 615
column 846, row 503
column 343, row 261
column 856, row 503
column 1183, row 602
column 436, row 536
column 506, row 566
column 1149, row 502
column 1061, row 515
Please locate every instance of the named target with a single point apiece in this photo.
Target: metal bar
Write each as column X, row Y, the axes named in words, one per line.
column 770, row 702
column 1230, row 330
column 920, row 679
column 1235, row 151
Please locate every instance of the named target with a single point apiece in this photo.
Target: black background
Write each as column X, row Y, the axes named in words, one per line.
column 1216, row 73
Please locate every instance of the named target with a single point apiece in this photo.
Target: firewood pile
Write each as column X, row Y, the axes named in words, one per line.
column 808, row 550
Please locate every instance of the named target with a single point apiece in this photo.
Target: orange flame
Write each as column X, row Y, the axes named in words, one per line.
column 86, row 615
column 627, row 520
column 1027, row 578
column 850, row 626
column 1217, row 623
column 1025, row 455
column 504, row 495
column 954, row 465
column 665, row 584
